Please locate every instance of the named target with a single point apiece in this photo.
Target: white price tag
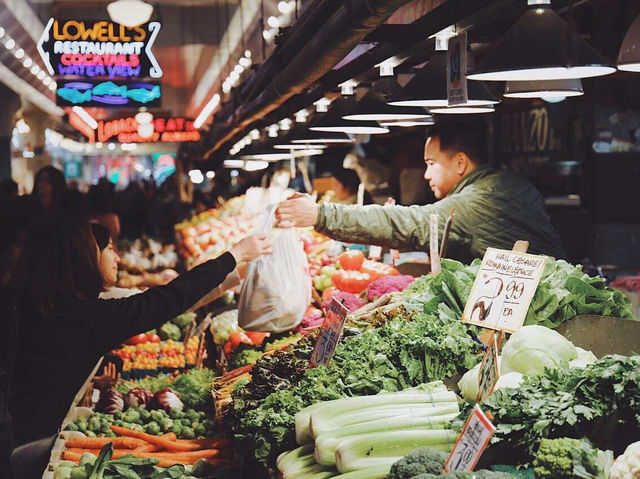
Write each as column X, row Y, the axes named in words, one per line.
column 375, row 252
column 471, row 444
column 434, row 248
column 329, row 334
column 457, row 70
column 489, row 372
column 503, row 289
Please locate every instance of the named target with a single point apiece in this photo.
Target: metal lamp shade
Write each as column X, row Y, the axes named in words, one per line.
column 544, row 88
column 541, row 46
column 333, row 121
column 428, row 87
column 629, row 56
column 374, row 107
column 323, row 138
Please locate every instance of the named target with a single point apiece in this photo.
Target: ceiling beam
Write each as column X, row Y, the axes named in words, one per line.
column 232, row 37
column 26, row 17
column 25, row 89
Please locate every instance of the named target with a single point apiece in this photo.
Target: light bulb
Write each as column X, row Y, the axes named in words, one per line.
column 27, row 62
column 10, row 43
column 19, row 53
column 238, row 69
column 273, row 22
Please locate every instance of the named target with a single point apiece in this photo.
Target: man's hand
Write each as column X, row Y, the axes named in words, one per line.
column 299, row 210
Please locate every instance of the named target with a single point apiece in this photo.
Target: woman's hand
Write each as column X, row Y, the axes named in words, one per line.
column 109, row 377
column 250, row 248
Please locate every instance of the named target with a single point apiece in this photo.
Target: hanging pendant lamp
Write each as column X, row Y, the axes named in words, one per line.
column 629, row 56
column 296, row 132
column 546, row 89
column 323, row 138
column 541, row 46
column 130, row 13
column 374, row 107
column 428, row 87
column 463, row 110
column 333, row 120
column 409, row 123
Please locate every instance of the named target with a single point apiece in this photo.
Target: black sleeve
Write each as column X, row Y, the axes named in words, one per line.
column 112, row 321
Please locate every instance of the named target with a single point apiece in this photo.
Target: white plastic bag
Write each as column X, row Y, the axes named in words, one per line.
column 277, row 289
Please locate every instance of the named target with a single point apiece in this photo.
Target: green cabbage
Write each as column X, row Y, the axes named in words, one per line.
column 533, row 348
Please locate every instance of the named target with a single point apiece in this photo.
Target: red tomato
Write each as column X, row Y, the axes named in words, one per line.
column 227, row 348
column 256, row 337
column 351, row 260
column 239, row 337
column 137, row 339
column 351, row 281
column 153, row 338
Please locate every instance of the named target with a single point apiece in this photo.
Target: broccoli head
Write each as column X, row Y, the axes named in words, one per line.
column 423, row 460
column 564, row 458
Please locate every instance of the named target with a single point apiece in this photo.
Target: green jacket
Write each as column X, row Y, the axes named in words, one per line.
column 492, row 209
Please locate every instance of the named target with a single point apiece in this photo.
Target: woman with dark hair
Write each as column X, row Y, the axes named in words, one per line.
column 65, row 328
column 49, row 187
column 345, row 187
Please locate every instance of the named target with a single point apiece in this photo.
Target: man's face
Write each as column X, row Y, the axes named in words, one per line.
column 442, row 170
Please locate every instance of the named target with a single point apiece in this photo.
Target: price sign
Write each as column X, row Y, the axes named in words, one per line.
column 457, row 70
column 472, row 442
column 329, row 334
column 489, row 370
column 375, row 252
column 503, row 289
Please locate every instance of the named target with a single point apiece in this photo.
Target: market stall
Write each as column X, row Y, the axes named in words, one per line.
column 391, row 400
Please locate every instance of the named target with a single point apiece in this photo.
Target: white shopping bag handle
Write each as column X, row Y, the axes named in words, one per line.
column 269, row 215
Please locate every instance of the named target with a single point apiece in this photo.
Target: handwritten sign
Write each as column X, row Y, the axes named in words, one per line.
column 329, row 334
column 457, row 70
column 489, row 372
column 471, row 444
column 503, row 289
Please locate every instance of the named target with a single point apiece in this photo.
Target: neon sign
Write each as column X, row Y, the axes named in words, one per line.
column 108, row 93
column 81, row 125
column 166, row 130
column 99, row 49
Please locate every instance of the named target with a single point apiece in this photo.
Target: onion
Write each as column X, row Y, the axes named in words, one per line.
column 167, row 399
column 111, row 401
column 138, row 397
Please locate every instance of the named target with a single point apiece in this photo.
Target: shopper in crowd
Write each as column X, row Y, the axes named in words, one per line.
column 64, row 328
column 345, row 187
column 492, row 208
column 102, row 208
column 8, row 189
column 108, row 265
column 49, row 187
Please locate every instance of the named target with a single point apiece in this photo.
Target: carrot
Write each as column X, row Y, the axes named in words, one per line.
column 99, row 442
column 158, row 441
column 173, row 457
column 171, row 436
column 147, row 448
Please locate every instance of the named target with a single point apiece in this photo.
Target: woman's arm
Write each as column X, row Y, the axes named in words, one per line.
column 114, row 320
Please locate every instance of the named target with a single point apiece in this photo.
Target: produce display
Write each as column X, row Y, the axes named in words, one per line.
column 146, row 262
column 392, row 401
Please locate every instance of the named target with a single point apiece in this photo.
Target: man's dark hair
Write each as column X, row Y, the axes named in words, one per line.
column 348, row 178
column 462, row 137
column 61, row 262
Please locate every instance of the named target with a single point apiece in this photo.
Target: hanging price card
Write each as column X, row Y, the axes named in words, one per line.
column 503, row 289
column 489, row 372
column 472, row 442
column 329, row 334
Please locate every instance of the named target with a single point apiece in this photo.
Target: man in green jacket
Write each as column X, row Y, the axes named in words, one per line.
column 492, row 208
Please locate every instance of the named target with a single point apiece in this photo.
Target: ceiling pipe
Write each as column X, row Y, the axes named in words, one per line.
column 338, row 36
column 309, row 22
column 464, row 13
